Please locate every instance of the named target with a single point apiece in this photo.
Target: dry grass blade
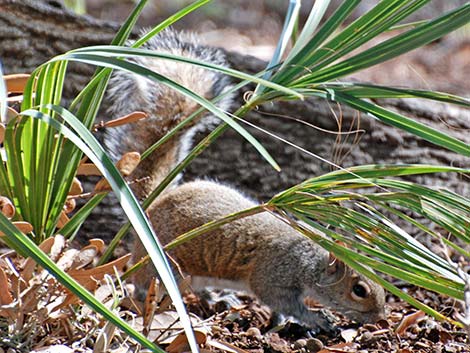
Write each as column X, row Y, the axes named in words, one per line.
column 150, row 305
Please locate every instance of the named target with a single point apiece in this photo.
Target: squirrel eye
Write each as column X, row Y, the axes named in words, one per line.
column 360, row 290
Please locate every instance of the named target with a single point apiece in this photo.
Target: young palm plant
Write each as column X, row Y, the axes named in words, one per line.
column 45, row 142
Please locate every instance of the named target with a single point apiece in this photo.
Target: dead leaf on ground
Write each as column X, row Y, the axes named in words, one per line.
column 70, row 205
column 128, row 162
column 225, row 346
column 409, row 320
column 30, row 264
column 90, row 278
column 16, row 83
column 88, row 169
column 76, row 188
column 63, row 220
column 102, row 186
column 5, row 296
column 7, row 207
column 180, row 343
column 127, row 119
column 339, row 348
column 96, row 242
column 23, row 227
column 2, row 126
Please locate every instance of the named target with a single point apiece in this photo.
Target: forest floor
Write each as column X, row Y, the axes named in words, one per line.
column 236, row 322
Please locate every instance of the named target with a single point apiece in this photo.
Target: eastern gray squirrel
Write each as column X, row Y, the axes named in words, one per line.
column 278, row 264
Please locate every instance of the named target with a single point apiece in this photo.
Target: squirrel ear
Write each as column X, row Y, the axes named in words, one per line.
column 335, row 265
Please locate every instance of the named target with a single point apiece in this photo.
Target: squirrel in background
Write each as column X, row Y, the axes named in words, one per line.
column 269, row 258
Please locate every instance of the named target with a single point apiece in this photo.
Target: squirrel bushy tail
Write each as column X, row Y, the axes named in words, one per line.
column 166, row 108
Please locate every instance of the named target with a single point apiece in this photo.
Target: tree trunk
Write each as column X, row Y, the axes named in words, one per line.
column 33, row 31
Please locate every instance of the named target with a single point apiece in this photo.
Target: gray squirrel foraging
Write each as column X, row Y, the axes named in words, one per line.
column 262, row 253
column 275, row 262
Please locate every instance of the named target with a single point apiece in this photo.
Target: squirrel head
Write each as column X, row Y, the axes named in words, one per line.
column 356, row 296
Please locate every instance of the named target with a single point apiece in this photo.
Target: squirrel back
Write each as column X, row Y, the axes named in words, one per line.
column 165, row 107
column 279, row 265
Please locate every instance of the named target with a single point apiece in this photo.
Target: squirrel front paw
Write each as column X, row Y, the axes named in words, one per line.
column 322, row 320
column 313, row 322
column 327, row 322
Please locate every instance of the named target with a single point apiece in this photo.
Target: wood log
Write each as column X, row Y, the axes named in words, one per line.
column 33, row 31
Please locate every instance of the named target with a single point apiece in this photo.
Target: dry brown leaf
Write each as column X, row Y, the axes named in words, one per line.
column 409, row 320
column 88, row 169
column 84, row 257
column 104, row 338
column 88, row 278
column 7, row 207
column 70, row 205
column 225, row 346
column 22, row 226
column 16, row 83
column 184, row 283
column 29, row 264
column 102, row 185
column 65, row 262
column 180, row 343
column 127, row 119
column 128, row 163
column 150, row 305
column 5, row 296
column 97, row 243
column 63, row 220
column 338, row 348
column 76, row 188
column 2, row 129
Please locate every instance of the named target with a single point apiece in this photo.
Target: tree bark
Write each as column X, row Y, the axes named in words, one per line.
column 31, row 32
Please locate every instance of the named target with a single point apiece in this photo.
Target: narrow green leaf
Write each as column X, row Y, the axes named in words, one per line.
column 393, row 47
column 294, row 65
column 391, row 118
column 361, row 90
column 124, row 52
column 378, row 20
column 81, row 215
column 86, row 142
column 145, row 72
